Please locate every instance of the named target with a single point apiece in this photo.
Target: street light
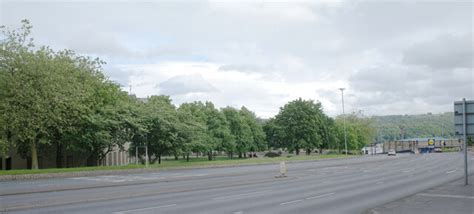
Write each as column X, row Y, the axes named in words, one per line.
column 344, row 118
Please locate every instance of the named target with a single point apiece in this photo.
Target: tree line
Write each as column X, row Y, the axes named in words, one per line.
column 395, row 127
column 61, row 102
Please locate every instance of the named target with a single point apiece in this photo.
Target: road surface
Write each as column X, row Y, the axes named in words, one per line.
column 325, row 186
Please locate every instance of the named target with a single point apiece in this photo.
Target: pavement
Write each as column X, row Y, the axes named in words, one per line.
column 453, row 197
column 324, row 186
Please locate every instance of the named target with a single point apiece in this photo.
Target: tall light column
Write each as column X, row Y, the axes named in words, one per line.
column 344, row 118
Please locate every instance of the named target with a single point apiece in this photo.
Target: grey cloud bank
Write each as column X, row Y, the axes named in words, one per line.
column 395, row 57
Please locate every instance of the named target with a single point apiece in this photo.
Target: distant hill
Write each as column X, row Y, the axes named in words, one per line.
column 395, row 127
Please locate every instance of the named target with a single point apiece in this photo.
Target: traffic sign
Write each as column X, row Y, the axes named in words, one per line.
column 464, row 125
column 458, row 117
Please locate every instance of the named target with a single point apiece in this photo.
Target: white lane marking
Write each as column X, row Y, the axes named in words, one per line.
column 449, row 172
column 320, row 196
column 240, row 195
column 143, row 209
column 291, row 202
column 446, row 196
column 184, row 176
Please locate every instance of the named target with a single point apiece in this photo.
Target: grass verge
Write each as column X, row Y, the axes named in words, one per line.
column 174, row 164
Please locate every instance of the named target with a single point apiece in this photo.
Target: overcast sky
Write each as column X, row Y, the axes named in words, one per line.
column 395, row 57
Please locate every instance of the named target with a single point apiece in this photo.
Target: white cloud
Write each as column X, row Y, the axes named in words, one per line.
column 233, row 88
column 265, row 53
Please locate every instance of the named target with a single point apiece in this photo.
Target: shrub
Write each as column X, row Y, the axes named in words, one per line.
column 272, row 154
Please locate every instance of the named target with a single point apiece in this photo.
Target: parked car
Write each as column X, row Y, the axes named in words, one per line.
column 438, row 150
column 392, row 152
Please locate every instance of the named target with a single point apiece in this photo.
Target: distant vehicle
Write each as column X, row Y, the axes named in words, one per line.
column 437, row 149
column 392, row 152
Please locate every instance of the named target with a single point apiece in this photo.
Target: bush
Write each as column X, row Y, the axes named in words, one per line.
column 272, row 154
column 333, row 152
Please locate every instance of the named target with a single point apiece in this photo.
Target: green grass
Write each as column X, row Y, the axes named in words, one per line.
column 181, row 163
column 450, row 149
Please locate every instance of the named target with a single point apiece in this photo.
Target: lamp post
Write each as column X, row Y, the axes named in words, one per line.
column 344, row 118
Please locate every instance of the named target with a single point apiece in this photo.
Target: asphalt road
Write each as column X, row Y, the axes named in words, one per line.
column 326, row 186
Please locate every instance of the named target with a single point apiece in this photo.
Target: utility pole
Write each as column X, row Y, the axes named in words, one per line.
column 464, row 117
column 344, row 118
column 146, row 151
column 136, row 155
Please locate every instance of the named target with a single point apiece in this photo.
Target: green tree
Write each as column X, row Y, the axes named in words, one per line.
column 301, row 123
column 360, row 131
column 258, row 135
column 57, row 99
column 162, row 124
column 194, row 131
column 239, row 129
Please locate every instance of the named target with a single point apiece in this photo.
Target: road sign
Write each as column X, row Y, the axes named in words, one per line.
column 464, row 124
column 458, row 117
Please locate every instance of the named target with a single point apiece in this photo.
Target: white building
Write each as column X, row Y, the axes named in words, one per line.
column 373, row 150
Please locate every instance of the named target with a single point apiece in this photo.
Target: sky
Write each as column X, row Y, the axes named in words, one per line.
column 392, row 57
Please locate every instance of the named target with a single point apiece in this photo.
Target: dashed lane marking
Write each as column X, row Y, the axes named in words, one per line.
column 449, row 172
column 144, row 209
column 240, row 195
column 320, row 196
column 292, row 202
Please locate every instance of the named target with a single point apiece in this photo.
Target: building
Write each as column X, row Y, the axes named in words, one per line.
column 421, row 145
column 373, row 149
column 116, row 157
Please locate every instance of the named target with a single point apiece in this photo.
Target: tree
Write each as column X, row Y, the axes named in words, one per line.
column 258, row 135
column 300, row 123
column 239, row 129
column 220, row 137
column 360, row 131
column 162, row 124
column 57, row 99
column 193, row 132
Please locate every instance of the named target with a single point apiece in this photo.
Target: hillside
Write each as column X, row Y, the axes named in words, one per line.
column 394, row 127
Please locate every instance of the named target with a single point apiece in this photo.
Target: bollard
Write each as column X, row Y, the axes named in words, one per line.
column 283, row 170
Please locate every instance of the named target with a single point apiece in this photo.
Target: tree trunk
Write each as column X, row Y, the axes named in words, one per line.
column 187, row 157
column 209, row 155
column 245, row 154
column 159, row 158
column 34, row 155
column 176, row 157
column 59, row 155
column 240, row 155
column 231, row 155
column 297, row 151
column 308, row 151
